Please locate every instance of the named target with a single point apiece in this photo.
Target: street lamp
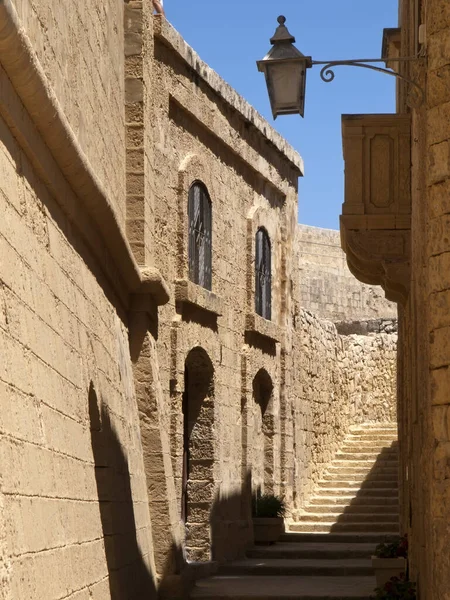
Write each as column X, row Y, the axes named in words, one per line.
column 284, row 67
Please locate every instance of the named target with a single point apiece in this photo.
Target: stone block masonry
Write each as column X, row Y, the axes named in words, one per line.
column 342, row 380
column 133, row 433
column 59, row 334
column 327, row 288
column 80, row 47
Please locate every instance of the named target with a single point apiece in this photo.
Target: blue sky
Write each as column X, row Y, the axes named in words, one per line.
column 230, row 36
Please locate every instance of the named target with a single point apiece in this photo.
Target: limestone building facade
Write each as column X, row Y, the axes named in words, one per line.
column 395, row 233
column 157, row 363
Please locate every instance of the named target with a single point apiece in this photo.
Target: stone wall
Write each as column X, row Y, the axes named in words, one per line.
column 411, row 259
column 80, row 48
column 198, row 135
column 328, row 288
column 435, row 328
column 140, row 410
column 424, row 328
column 339, row 381
column 69, row 428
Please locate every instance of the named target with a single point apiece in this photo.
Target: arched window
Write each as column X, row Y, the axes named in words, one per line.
column 199, row 212
column 263, row 275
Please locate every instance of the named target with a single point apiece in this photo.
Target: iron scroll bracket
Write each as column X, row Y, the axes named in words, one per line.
column 414, row 99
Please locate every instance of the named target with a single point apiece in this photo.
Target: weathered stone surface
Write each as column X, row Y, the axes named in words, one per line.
column 103, row 394
column 327, row 288
column 439, row 162
column 424, row 337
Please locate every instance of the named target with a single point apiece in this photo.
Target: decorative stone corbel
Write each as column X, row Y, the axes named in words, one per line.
column 379, row 258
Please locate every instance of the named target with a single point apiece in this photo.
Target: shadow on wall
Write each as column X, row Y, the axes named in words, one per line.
column 130, row 570
column 130, row 576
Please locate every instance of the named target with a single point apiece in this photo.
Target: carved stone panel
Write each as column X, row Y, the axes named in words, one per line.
column 376, row 214
column 377, row 164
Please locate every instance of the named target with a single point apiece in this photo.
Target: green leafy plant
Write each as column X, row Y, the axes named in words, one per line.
column 266, row 506
column 397, row 588
column 393, row 549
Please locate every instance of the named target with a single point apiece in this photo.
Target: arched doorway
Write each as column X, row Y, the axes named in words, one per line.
column 262, row 463
column 198, row 454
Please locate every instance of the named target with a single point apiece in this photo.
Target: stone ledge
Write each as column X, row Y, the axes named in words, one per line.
column 257, row 324
column 190, row 293
column 153, row 290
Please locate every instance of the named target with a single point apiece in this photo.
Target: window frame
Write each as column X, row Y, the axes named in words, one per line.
column 263, row 274
column 200, row 235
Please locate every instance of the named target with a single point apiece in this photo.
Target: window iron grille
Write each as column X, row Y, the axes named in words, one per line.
column 263, row 275
column 200, row 234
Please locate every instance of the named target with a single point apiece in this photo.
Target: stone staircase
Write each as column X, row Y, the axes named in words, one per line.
column 326, row 553
column 359, row 491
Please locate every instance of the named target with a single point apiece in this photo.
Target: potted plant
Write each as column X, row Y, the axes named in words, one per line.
column 268, row 518
column 390, row 560
column 398, row 588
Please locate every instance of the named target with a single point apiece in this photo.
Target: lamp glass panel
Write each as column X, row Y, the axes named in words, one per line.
column 286, row 84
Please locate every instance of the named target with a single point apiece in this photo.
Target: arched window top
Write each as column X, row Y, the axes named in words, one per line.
column 199, row 186
column 200, row 235
column 263, row 274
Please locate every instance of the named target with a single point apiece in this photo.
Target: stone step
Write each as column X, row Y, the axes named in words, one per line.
column 366, row 500
column 375, row 471
column 352, row 508
column 377, row 440
column 347, row 517
column 326, row 567
column 386, row 436
column 372, row 456
column 287, row 588
column 328, row 488
column 357, row 537
column 368, row 464
column 356, row 485
column 292, row 549
column 376, row 443
column 373, row 427
column 361, row 477
column 330, row 527
column 377, row 453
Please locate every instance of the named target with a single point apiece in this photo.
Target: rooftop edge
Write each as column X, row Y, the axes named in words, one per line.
column 171, row 37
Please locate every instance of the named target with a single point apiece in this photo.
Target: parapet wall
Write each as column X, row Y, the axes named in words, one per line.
column 328, row 288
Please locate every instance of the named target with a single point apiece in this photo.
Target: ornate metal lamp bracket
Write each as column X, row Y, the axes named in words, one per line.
column 414, row 99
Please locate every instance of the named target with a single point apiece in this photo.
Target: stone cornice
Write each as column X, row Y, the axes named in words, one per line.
column 55, row 153
column 171, row 38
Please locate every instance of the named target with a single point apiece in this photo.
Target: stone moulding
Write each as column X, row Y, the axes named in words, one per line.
column 190, row 293
column 171, row 38
column 84, row 192
column 376, row 214
column 391, row 46
column 256, row 324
